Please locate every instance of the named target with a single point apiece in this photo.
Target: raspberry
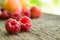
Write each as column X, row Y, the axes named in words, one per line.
column 26, row 23
column 0, row 13
column 5, row 14
column 26, row 12
column 16, row 13
column 12, row 26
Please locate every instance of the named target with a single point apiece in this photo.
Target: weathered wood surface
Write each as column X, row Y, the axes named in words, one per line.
column 45, row 28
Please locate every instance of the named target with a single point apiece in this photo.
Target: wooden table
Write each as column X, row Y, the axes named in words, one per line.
column 47, row 27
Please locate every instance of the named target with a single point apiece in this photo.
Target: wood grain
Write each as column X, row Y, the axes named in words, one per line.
column 47, row 27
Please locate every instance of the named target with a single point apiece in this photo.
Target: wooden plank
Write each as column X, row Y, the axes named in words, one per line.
column 47, row 27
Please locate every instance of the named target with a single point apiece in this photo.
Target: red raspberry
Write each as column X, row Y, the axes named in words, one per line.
column 16, row 13
column 12, row 26
column 26, row 23
column 26, row 12
column 0, row 13
column 5, row 14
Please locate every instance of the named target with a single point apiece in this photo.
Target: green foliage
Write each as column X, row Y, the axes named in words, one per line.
column 55, row 2
column 35, row 2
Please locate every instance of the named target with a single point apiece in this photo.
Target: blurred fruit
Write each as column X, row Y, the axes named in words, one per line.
column 5, row 14
column 11, row 4
column 26, row 12
column 16, row 13
column 12, row 26
column 25, row 3
column 26, row 23
column 0, row 13
column 35, row 12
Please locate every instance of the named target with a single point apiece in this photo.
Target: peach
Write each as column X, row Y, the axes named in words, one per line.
column 25, row 3
column 11, row 4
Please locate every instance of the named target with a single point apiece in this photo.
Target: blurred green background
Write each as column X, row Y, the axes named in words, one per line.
column 47, row 6
column 45, row 2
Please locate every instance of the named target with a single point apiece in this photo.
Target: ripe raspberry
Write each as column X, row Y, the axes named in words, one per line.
column 26, row 23
column 26, row 12
column 5, row 14
column 16, row 13
column 0, row 13
column 12, row 26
